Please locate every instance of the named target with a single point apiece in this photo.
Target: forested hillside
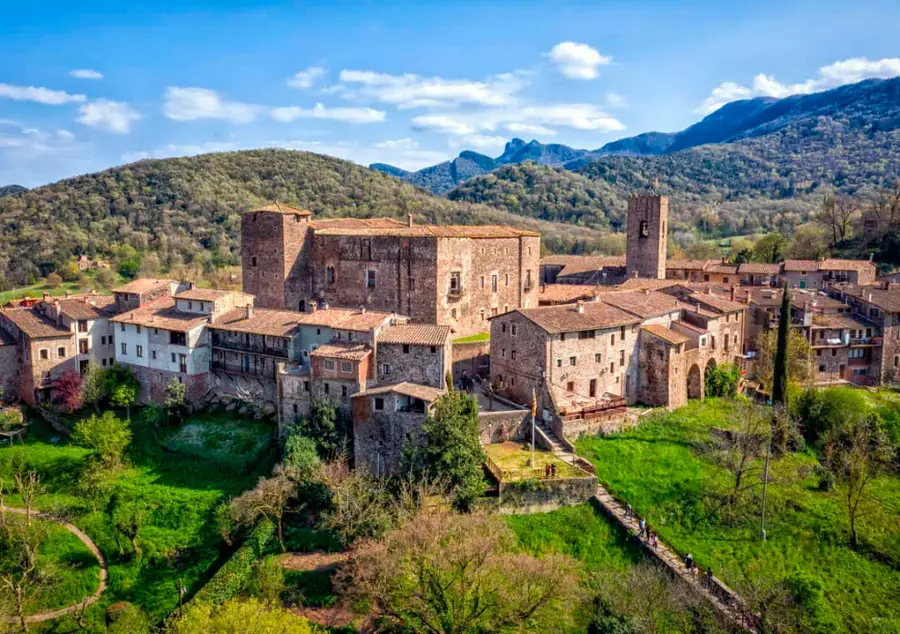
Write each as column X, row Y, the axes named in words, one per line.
column 187, row 209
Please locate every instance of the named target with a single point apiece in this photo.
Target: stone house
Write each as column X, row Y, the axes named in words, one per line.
column 821, row 274
column 385, row 419
column 456, row 276
column 417, row 353
column 87, row 317
column 759, row 273
column 583, row 269
column 879, row 305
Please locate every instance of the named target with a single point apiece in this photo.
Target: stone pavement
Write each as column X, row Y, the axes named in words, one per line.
column 723, row 598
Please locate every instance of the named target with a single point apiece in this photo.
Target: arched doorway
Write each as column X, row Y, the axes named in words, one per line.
column 710, row 364
column 695, row 382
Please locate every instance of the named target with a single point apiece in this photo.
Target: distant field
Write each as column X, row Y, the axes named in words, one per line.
column 657, row 468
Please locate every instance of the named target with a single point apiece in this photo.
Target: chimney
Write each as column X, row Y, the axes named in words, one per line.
column 249, row 309
column 579, row 307
column 191, row 285
column 732, row 293
column 634, row 274
column 887, row 285
column 870, row 296
column 46, row 296
column 409, row 220
column 313, row 306
column 362, row 310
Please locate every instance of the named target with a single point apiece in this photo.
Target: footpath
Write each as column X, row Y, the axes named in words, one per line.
column 87, row 541
column 725, row 600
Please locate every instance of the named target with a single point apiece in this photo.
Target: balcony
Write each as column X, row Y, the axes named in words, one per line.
column 221, row 366
column 455, row 293
column 252, row 348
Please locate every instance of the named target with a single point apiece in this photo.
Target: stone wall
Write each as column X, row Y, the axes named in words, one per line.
column 9, row 369
column 609, row 422
column 294, row 398
column 37, row 373
column 549, row 494
column 273, row 262
column 154, row 382
column 427, row 365
column 502, row 426
column 379, row 437
column 472, row 358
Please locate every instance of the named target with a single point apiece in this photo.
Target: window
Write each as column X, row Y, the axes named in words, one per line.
column 527, row 279
column 253, row 258
column 82, row 325
column 512, row 354
column 379, row 404
column 104, row 362
column 572, row 360
column 138, row 329
column 586, row 334
column 122, row 327
column 482, row 281
column 592, row 389
column 83, row 346
column 494, row 283
column 190, row 305
column 125, row 348
column 61, row 352
column 433, row 349
column 174, row 357
column 182, row 363
column 177, row 338
column 856, row 353
column 645, row 229
column 412, row 285
column 385, row 368
column 570, row 386
column 503, row 326
column 507, row 280
column 329, row 275
column 405, row 348
column 598, row 358
column 453, row 312
column 612, row 340
column 139, row 351
column 622, row 333
column 818, row 353
column 503, row 352
column 513, row 330
column 833, row 352
column 482, row 314
column 329, row 364
column 559, row 363
column 370, row 279
column 612, row 367
column 346, row 366
column 306, row 386
column 621, row 358
column 455, row 285
column 153, row 354
column 343, row 391
column 822, row 368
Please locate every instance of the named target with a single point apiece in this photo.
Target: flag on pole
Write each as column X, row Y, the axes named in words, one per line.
column 533, row 403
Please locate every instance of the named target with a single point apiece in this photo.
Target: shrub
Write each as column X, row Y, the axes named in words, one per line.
column 107, row 435
column 722, row 380
column 236, row 572
column 123, row 617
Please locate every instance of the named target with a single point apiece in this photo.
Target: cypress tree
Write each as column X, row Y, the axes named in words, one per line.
column 780, row 371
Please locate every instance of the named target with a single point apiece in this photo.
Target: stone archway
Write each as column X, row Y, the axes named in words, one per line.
column 709, row 365
column 695, row 382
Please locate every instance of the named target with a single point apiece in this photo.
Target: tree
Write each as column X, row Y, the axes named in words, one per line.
column 270, row 499
column 150, row 265
column 121, row 386
column 301, row 459
column 722, row 380
column 737, row 447
column 125, row 396
column 809, row 243
column 770, row 248
column 128, row 517
column 856, row 452
column 360, row 505
column 450, row 448
column 836, row 214
column 798, row 357
column 107, row 435
column 328, row 427
column 92, row 387
column 54, row 280
column 70, row 272
column 68, row 392
column 176, row 400
column 780, row 368
column 249, row 616
column 446, row 573
column 28, row 486
column 105, row 279
column 24, row 576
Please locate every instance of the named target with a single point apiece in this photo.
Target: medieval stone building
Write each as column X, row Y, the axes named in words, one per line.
column 457, row 276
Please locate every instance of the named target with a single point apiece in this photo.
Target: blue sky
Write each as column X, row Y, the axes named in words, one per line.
column 89, row 85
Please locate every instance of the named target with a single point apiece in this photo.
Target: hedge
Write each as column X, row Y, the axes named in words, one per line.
column 234, row 573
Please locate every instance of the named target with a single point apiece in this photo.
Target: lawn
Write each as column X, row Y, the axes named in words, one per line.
column 224, row 438
column 515, row 462
column 658, row 469
column 76, row 571
column 481, row 336
column 178, row 492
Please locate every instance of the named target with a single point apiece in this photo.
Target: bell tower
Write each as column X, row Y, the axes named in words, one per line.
column 645, row 255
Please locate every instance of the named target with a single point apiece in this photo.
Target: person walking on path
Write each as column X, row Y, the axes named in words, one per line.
column 553, row 470
column 653, row 541
column 689, row 562
column 546, row 471
column 629, row 512
column 642, row 527
column 709, row 578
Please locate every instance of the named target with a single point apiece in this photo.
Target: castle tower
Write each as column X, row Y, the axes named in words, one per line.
column 272, row 254
column 645, row 254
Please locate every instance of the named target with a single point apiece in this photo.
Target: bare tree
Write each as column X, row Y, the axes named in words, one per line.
column 857, row 452
column 269, row 499
column 884, row 207
column 22, row 577
column 737, row 447
column 28, row 486
column 837, row 214
column 360, row 504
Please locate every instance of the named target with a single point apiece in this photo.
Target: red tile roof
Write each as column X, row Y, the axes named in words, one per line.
column 666, row 334
column 143, row 285
column 645, row 303
column 280, row 208
column 415, row 390
column 415, row 335
column 340, row 350
column 566, row 318
column 162, row 314
column 34, row 325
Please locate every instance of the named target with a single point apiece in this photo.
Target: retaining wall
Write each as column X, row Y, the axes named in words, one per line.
column 549, row 494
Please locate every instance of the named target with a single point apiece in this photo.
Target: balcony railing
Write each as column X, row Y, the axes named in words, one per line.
column 455, row 293
column 236, row 346
column 219, row 366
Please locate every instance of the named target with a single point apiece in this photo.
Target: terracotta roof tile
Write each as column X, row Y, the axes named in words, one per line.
column 566, row 293
column 886, row 299
column 202, row 294
column 415, row 335
column 262, row 321
column 666, row 334
column 162, row 314
column 645, row 303
column 34, row 325
column 689, row 265
column 800, row 265
column 718, row 304
column 566, row 318
column 340, row 350
column 726, row 269
column 759, row 268
column 280, row 208
column 85, row 306
column 841, row 321
column 834, row 264
column 143, row 285
column 415, row 390
column 424, row 231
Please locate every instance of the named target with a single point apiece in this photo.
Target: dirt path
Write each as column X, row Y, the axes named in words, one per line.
column 91, row 546
column 723, row 598
column 318, row 560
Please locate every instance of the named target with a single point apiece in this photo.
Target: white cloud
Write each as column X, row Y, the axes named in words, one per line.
column 306, row 78
column 86, row 73
column 577, row 61
column 529, row 128
column 320, row 111
column 480, row 142
column 38, row 94
column 578, row 116
column 840, row 73
column 33, row 141
column 413, row 91
column 112, row 116
column 190, row 104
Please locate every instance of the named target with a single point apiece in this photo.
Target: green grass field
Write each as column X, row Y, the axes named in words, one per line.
column 515, row 462
column 178, row 491
column 658, row 469
column 481, row 336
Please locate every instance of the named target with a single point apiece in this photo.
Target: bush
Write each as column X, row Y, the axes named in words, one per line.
column 820, row 410
column 236, row 572
column 107, row 435
column 722, row 380
column 123, row 617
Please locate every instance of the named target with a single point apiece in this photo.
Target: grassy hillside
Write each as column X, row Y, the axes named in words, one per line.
column 187, row 209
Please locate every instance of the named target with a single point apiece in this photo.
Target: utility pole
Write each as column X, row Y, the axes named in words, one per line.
column 533, row 412
column 762, row 521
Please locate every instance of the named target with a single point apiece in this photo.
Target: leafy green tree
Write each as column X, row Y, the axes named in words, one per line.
column 857, row 451
column 176, row 400
column 328, row 427
column 250, row 616
column 780, row 370
column 770, row 248
column 798, row 357
column 722, row 380
column 92, row 386
column 128, row 516
column 25, row 577
column 124, row 395
column 301, row 459
column 127, row 618
column 70, row 272
column 106, row 435
column 450, row 448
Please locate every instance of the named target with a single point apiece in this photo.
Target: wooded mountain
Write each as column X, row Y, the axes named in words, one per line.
column 870, row 107
column 187, row 209
column 6, row 190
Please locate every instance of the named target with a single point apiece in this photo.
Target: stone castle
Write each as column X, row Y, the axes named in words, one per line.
column 364, row 312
